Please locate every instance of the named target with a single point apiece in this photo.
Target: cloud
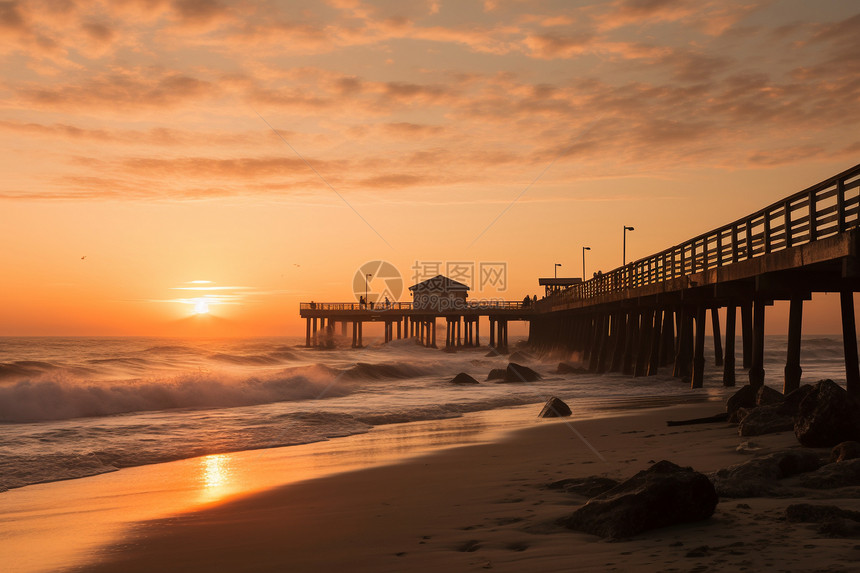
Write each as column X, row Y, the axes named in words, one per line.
column 127, row 90
column 558, row 46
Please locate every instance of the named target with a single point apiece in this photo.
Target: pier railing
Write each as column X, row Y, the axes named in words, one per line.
column 823, row 210
column 382, row 306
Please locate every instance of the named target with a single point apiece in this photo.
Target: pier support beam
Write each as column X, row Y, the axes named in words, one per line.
column 656, row 342
column 433, row 333
column 354, row 334
column 697, row 380
column 756, row 372
column 307, row 332
column 667, row 343
column 684, row 353
column 729, row 360
column 630, row 342
column 478, row 330
column 603, row 345
column 793, row 370
column 849, row 343
column 643, row 346
column 747, row 333
column 718, row 346
column 492, row 333
column 619, row 321
column 314, row 335
column 360, row 335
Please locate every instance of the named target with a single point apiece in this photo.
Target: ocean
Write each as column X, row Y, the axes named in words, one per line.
column 76, row 407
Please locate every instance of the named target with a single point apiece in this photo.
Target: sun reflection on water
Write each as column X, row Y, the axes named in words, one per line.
column 216, row 475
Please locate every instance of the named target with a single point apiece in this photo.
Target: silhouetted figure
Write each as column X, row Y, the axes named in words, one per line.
column 361, row 302
column 371, row 305
column 535, row 299
column 387, row 303
column 526, row 301
column 313, row 305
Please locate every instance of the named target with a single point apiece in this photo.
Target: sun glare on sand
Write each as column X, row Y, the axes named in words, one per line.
column 201, row 306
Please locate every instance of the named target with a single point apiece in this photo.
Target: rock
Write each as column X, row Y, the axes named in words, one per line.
column 832, row 521
column 519, row 373
column 767, row 396
column 748, row 398
column 838, row 474
column 838, row 527
column 743, row 398
column 845, row 451
column 664, row 494
column 463, row 378
column 567, row 368
column 765, row 420
column 791, row 403
column 497, row 374
column 586, row 487
column 809, row 513
column 521, row 356
column 715, row 419
column 827, row 416
column 747, row 447
column 555, row 408
column 740, row 415
column 758, row 476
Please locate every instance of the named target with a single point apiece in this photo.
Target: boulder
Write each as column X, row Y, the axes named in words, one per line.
column 827, row 416
column 809, row 513
column 555, row 408
column 743, row 398
column 739, row 415
column 832, row 521
column 463, row 378
column 664, row 494
column 497, row 374
column 757, row 477
column 845, row 451
column 518, row 373
column 831, row 476
column 766, row 396
column 567, row 368
column 521, row 356
column 765, row 420
column 791, row 403
column 748, row 398
column 586, row 487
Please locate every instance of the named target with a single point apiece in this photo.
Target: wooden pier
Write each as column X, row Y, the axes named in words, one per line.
column 651, row 314
column 404, row 320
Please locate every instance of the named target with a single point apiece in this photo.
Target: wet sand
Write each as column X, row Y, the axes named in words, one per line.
column 486, row 506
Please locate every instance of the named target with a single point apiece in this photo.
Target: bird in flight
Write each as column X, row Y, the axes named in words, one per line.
column 82, row 258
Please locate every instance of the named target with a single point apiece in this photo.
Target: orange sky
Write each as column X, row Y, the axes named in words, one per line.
column 137, row 134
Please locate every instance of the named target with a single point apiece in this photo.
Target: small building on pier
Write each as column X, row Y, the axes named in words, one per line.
column 554, row 285
column 439, row 294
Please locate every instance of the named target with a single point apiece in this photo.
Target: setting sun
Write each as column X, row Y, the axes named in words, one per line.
column 201, row 306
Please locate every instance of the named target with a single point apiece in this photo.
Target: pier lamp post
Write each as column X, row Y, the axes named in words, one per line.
column 624, row 245
column 555, row 270
column 583, row 261
column 366, row 303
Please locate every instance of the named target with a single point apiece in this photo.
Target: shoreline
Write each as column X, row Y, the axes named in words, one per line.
column 116, row 501
column 486, row 506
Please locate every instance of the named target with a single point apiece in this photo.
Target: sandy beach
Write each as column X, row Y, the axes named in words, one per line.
column 487, row 506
